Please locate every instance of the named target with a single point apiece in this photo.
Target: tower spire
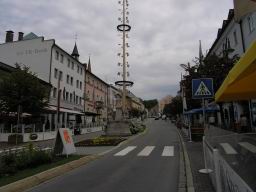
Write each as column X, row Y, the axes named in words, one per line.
column 89, row 65
column 75, row 53
column 200, row 53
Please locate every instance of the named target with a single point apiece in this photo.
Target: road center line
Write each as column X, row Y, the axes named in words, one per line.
column 168, row 151
column 125, row 151
column 248, row 146
column 228, row 149
column 146, row 151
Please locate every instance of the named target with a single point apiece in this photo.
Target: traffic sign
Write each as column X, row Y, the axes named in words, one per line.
column 202, row 88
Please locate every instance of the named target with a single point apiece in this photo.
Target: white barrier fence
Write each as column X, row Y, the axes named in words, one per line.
column 223, row 177
column 47, row 135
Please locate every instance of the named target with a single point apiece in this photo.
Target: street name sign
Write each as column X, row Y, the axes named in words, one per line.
column 64, row 143
column 202, row 88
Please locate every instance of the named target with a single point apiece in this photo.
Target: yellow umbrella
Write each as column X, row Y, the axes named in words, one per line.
column 240, row 83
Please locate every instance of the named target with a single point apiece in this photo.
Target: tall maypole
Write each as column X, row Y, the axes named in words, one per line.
column 124, row 28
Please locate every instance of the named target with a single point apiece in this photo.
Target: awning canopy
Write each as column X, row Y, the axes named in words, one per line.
column 53, row 108
column 240, row 83
column 200, row 110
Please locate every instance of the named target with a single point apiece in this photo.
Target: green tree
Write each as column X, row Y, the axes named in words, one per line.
column 174, row 108
column 22, row 88
column 150, row 103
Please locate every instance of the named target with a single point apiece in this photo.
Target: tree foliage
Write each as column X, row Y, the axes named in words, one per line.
column 150, row 103
column 174, row 108
column 213, row 66
column 22, row 87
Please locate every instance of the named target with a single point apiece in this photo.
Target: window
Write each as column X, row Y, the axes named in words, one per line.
column 61, row 58
column 67, row 94
column 60, row 75
column 81, row 70
column 57, row 55
column 76, row 99
column 77, row 84
column 80, row 100
column 235, row 37
column 67, row 79
column 68, row 63
column 81, row 85
column 250, row 23
column 54, row 92
column 71, row 97
column 71, row 80
column 78, row 68
column 56, row 73
column 72, row 65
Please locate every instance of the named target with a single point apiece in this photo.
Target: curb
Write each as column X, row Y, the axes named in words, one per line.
column 187, row 168
column 38, row 178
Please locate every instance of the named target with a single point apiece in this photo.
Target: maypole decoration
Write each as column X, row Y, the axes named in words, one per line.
column 124, row 28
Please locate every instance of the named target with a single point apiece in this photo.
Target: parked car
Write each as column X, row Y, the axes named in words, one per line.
column 156, row 118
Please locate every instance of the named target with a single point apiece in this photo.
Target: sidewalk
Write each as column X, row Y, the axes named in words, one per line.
column 201, row 181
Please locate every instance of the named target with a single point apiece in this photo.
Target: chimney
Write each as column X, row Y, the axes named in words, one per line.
column 20, row 37
column 9, row 36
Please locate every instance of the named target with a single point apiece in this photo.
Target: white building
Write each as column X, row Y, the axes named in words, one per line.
column 54, row 65
column 237, row 36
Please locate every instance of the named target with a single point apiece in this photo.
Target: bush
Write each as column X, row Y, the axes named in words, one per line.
column 29, row 158
column 8, row 165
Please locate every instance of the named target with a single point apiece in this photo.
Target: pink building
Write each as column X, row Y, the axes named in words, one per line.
column 96, row 91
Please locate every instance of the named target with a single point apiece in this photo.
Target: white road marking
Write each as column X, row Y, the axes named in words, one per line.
column 168, row 151
column 228, row 149
column 125, row 151
column 146, row 151
column 248, row 146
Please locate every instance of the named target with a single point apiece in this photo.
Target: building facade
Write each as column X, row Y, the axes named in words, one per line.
column 166, row 100
column 96, row 92
column 54, row 65
column 237, row 36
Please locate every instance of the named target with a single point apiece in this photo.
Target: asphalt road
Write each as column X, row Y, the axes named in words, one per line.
column 149, row 163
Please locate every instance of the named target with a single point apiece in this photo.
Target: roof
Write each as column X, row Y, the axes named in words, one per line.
column 75, row 51
column 96, row 77
column 221, row 30
column 10, row 69
column 6, row 67
column 29, row 36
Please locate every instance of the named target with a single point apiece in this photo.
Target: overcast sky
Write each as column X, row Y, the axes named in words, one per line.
column 164, row 34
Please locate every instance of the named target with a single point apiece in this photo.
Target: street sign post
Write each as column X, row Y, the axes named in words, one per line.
column 203, row 89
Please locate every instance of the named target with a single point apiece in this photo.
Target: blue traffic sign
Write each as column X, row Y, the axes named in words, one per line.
column 202, row 88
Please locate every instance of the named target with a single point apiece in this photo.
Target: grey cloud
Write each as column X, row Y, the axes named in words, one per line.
column 164, row 34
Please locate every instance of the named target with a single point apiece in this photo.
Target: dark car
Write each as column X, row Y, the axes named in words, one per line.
column 156, row 118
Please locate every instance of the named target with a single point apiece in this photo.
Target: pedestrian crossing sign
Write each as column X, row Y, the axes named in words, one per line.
column 202, row 88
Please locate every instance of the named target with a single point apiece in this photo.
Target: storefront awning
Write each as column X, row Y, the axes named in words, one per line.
column 53, row 108
column 200, row 110
column 240, row 82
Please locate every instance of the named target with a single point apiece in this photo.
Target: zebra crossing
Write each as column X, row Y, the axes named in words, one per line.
column 167, row 151
column 230, row 150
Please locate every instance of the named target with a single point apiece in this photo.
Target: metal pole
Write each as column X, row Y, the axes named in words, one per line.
column 18, row 124
column 124, row 64
column 203, row 114
column 58, row 100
